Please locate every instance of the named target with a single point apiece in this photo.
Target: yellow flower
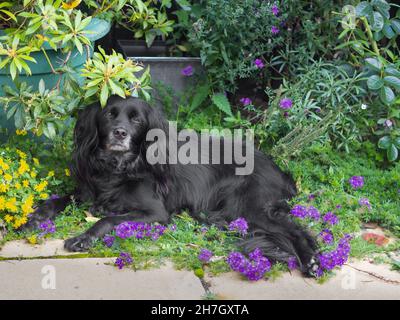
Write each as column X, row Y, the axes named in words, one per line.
column 27, row 206
column 8, row 177
column 21, row 154
column 43, row 196
column 1, row 172
column 33, row 174
column 41, row 186
column 23, row 167
column 51, row 173
column 2, row 203
column 3, row 187
column 32, row 239
column 19, row 222
column 17, row 186
column 67, row 172
column 36, row 161
column 8, row 218
column 20, row 132
column 4, row 165
column 11, row 205
column 25, row 183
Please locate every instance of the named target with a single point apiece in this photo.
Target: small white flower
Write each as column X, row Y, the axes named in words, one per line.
column 364, row 106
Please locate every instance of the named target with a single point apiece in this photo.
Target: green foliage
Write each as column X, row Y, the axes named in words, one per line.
column 370, row 34
column 220, row 25
column 47, row 111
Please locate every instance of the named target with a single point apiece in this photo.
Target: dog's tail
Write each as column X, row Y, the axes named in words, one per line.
column 280, row 237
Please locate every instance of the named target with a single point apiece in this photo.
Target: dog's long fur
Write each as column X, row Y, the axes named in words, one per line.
column 123, row 187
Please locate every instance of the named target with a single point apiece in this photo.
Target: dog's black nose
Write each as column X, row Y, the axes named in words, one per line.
column 120, row 133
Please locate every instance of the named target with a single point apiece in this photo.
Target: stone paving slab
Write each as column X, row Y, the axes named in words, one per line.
column 21, row 248
column 91, row 278
column 347, row 284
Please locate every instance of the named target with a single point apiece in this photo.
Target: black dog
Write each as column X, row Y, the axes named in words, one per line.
column 111, row 171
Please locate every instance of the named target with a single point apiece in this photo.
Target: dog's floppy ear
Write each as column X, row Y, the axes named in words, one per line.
column 86, row 141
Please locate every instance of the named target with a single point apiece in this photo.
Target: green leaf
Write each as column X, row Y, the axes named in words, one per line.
column 374, row 64
column 387, row 95
column 395, row 24
column 388, row 31
column 396, row 142
column 393, row 81
column 150, row 36
column 222, row 103
column 378, row 22
column 42, row 87
column 116, row 89
column 374, row 82
column 392, row 153
column 364, row 9
column 392, row 71
column 384, row 142
column 200, row 96
column 104, row 95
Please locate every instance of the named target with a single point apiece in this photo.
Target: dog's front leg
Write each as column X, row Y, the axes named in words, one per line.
column 84, row 241
column 47, row 210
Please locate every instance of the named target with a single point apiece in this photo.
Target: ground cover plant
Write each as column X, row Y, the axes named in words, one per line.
column 316, row 81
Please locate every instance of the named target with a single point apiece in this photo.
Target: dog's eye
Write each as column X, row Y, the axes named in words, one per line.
column 111, row 114
column 133, row 117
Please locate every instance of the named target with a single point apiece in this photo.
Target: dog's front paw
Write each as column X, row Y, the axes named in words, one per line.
column 313, row 268
column 80, row 243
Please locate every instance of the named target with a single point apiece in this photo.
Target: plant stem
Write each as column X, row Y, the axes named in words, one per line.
column 370, row 36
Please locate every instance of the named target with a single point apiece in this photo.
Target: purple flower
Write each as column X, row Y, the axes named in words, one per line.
column 285, row 114
column 299, row 211
column 54, row 196
column 139, row 230
column 172, row 227
column 275, row 10
column 205, row 255
column 311, row 196
column 313, row 213
column 108, row 240
column 286, row 103
column 337, row 257
column 123, row 260
column 259, row 64
column 47, row 227
column 187, row 71
column 338, row 206
column 356, row 181
column 330, row 218
column 203, row 229
column 292, row 263
column 326, row 236
column 388, row 123
column 364, row 202
column 254, row 269
column 239, row 225
column 246, row 101
column 274, row 30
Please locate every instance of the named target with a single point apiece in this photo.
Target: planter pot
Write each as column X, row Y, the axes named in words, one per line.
column 138, row 48
column 42, row 69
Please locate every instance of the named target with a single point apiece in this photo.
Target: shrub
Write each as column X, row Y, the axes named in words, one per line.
column 21, row 185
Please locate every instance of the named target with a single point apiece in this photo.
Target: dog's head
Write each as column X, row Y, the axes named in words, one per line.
column 113, row 136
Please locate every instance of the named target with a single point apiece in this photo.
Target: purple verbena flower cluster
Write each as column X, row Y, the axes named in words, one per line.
column 275, row 10
column 47, row 227
column 205, row 255
column 108, row 240
column 274, row 30
column 246, row 101
column 356, row 181
column 337, row 257
column 285, row 103
column 254, row 269
column 187, row 71
column 239, row 225
column 259, row 64
column 331, row 218
column 139, row 230
column 364, row 202
column 326, row 236
column 302, row 212
column 123, row 260
column 292, row 263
